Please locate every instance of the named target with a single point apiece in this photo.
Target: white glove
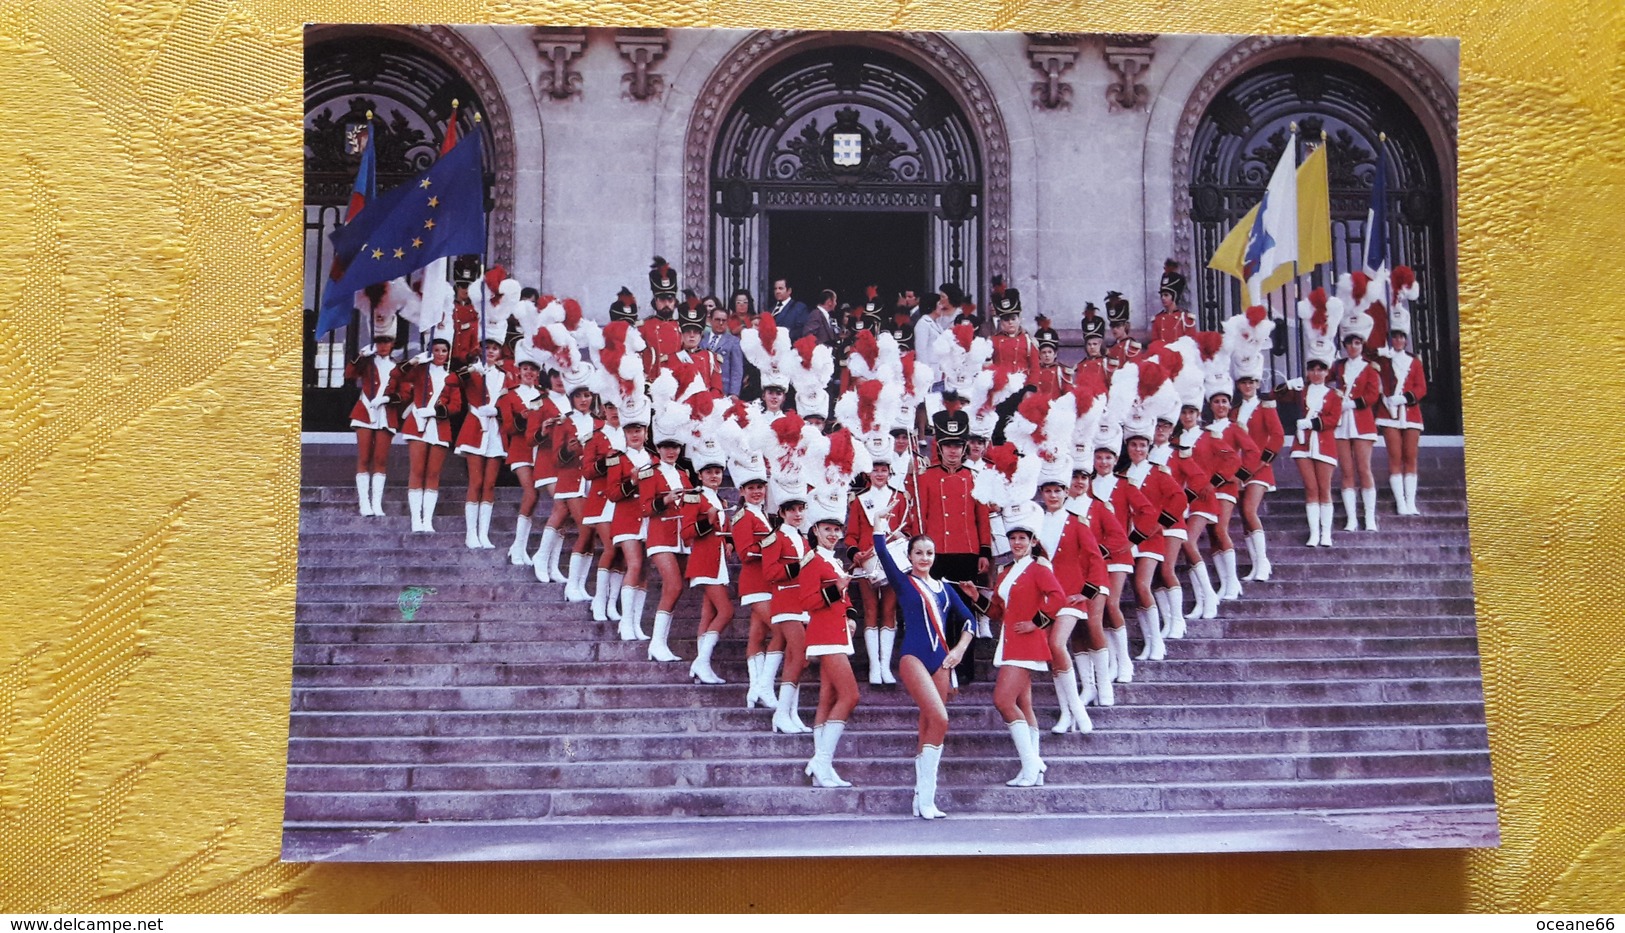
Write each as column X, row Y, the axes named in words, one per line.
column 1396, row 402
column 486, row 411
column 1305, row 424
column 1295, row 385
column 420, row 359
column 476, row 367
column 367, row 350
column 423, row 414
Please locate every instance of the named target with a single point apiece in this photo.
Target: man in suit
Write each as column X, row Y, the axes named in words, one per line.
column 724, row 348
column 824, row 325
column 788, row 313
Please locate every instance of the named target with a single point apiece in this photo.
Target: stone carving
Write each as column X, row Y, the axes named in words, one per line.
column 559, row 47
column 1052, row 54
column 1129, row 56
column 642, row 48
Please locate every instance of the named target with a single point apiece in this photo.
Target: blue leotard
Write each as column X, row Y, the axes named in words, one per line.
column 925, row 613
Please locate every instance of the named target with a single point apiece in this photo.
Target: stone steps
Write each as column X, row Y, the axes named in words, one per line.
column 864, row 743
column 397, row 807
column 670, row 699
column 892, row 770
column 1349, row 681
column 731, row 658
column 1174, row 670
column 1141, row 715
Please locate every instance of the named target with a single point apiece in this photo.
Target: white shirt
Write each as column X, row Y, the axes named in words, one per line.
column 925, row 342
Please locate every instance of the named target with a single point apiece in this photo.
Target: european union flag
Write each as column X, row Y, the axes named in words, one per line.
column 439, row 213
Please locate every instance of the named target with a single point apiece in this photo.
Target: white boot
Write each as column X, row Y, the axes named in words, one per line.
column 1023, row 739
column 1351, row 510
column 1410, row 495
column 639, row 597
column 770, row 676
column 485, row 525
column 612, row 604
column 546, row 560
column 1080, row 716
column 825, row 740
column 871, row 641
column 1176, row 608
column 795, row 709
column 1396, row 482
column 1038, row 750
column 1160, row 597
column 430, row 498
column 414, row 504
column 573, row 591
column 1151, row 631
column 1231, row 575
column 1101, row 661
column 658, row 649
column 1252, row 559
column 629, row 602
column 701, row 669
column 753, row 672
column 1368, row 498
column 1064, row 682
column 471, row 523
column 600, row 612
column 1083, row 669
column 1258, row 547
column 363, row 493
column 553, row 572
column 925, row 783
column 1312, row 509
column 1207, row 598
column 785, row 718
column 888, row 641
column 377, row 493
column 1122, row 663
column 519, row 552
column 1326, row 519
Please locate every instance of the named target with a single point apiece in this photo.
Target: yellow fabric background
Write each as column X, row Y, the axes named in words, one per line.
column 150, row 276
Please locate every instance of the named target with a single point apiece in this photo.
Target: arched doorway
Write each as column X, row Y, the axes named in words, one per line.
column 835, row 163
column 1234, row 146
column 409, row 89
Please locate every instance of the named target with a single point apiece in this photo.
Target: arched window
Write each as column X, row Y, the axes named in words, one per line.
column 1235, row 147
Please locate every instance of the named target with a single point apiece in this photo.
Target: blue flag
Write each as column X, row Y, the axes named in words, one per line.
column 1375, row 259
column 439, row 213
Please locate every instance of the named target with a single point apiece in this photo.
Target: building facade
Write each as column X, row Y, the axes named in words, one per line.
column 1071, row 165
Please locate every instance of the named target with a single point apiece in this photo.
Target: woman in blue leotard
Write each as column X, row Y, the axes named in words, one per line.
column 926, row 606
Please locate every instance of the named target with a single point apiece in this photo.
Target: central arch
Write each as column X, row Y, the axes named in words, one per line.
column 929, row 81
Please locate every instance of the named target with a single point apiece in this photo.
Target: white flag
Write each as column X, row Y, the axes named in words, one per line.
column 1273, row 241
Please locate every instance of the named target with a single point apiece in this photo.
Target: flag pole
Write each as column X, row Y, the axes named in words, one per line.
column 1387, row 281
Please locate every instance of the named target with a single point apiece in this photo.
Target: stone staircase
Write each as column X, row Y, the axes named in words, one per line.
column 1343, row 693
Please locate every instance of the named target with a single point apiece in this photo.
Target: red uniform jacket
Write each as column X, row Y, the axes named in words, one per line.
column 1323, row 406
column 825, row 602
column 624, row 485
column 1401, row 374
column 706, row 538
column 415, row 388
column 366, row 374
column 1052, row 381
column 1076, row 561
column 600, row 460
column 1035, row 591
column 860, row 531
column 667, row 522
column 750, row 529
column 1110, row 539
column 1131, row 508
column 1236, row 438
column 664, row 338
column 477, row 392
column 1168, row 326
column 949, row 514
column 705, row 362
column 1098, row 365
column 569, row 452
column 1019, row 352
column 784, row 555
column 1361, row 385
column 465, row 335
column 1264, row 427
column 1166, row 495
column 519, row 412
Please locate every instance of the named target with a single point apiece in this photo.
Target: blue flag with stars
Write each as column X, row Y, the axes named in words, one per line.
column 437, row 214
